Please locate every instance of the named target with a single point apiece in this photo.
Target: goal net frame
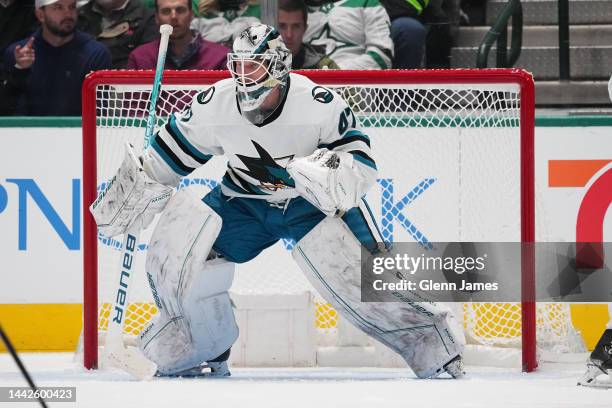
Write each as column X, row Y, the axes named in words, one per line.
column 521, row 78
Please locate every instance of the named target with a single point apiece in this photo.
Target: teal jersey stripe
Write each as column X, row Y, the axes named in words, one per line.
column 192, row 149
column 167, row 158
column 356, row 132
column 365, row 161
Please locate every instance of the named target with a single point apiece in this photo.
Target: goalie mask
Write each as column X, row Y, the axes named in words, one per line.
column 260, row 62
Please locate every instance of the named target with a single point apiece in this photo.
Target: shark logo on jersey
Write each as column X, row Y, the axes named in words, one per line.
column 266, row 170
column 205, row 96
column 322, row 95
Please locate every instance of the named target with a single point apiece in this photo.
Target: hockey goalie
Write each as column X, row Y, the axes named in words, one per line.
column 299, row 167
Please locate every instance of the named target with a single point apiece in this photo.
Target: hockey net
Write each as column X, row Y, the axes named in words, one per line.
column 455, row 156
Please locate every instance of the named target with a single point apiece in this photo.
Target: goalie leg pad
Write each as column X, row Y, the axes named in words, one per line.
column 206, row 330
column 195, row 322
column 425, row 334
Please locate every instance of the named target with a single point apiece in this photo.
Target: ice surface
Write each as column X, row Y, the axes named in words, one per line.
column 552, row 386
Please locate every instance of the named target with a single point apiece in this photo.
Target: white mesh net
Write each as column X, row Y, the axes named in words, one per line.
column 449, row 170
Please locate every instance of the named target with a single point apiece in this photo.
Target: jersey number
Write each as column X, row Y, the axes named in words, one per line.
column 347, row 116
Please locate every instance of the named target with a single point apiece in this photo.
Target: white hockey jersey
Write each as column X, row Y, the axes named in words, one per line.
column 356, row 33
column 224, row 26
column 309, row 117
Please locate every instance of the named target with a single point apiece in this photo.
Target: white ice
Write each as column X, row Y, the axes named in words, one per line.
column 551, row 386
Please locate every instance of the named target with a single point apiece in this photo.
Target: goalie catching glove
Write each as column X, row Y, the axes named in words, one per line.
column 131, row 196
column 327, row 180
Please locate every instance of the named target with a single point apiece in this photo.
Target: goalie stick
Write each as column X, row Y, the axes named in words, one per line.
column 118, row 355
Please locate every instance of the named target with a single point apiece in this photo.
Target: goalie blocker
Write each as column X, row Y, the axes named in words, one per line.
column 130, row 197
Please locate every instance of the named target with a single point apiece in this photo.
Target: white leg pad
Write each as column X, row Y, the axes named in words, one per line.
column 195, row 322
column 426, row 335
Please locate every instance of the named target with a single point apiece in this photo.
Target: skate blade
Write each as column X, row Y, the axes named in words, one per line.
column 192, row 375
column 197, row 372
column 604, row 384
column 596, row 378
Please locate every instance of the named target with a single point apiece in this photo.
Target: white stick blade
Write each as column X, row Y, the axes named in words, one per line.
column 131, row 360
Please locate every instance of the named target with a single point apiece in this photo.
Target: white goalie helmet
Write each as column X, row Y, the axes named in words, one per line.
column 259, row 63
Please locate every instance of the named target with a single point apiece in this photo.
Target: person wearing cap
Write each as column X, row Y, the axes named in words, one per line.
column 50, row 66
column 121, row 25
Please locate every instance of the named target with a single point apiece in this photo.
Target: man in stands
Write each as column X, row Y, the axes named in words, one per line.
column 222, row 21
column 355, row 33
column 49, row 67
column 186, row 49
column 407, row 31
column 292, row 23
column 121, row 25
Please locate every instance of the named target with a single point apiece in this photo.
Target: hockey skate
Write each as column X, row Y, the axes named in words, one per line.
column 599, row 365
column 455, row 367
column 212, row 369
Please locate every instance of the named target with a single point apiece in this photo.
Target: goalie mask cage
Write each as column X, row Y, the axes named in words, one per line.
column 455, row 151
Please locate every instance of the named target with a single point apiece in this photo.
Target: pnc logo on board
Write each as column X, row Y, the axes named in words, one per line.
column 29, row 200
column 595, row 177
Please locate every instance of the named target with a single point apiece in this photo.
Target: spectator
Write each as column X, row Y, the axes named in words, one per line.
column 187, row 49
column 222, row 21
column 408, row 33
column 50, row 66
column 292, row 23
column 355, row 32
column 442, row 20
column 195, row 3
column 121, row 25
column 17, row 21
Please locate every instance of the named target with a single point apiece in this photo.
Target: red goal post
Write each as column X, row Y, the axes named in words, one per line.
column 428, row 78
